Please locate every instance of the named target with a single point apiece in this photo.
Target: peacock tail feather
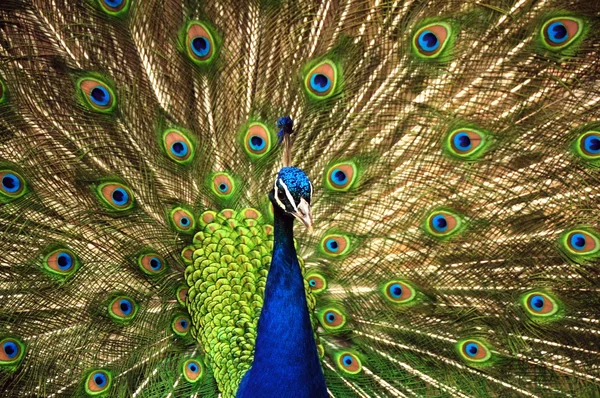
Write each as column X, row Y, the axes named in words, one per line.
column 453, row 147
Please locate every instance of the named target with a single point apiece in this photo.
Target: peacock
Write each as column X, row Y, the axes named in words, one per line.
column 299, row 198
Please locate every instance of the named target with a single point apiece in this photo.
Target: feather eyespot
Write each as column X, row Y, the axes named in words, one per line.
column 316, row 282
column 182, row 220
column 192, row 370
column 588, row 146
column 114, row 7
column 332, row 319
column 559, row 33
column 348, row 362
column 12, row 185
column 115, row 196
column 321, row 81
column 430, row 40
column 181, row 325
column 223, row 185
column 98, row 95
column 61, row 262
column 581, row 243
column 539, row 304
column 188, row 254
column 178, row 146
column 257, row 140
column 182, row 294
column 200, row 43
column 443, row 224
column 12, row 351
column 151, row 263
column 399, row 292
column 466, row 143
column 98, row 382
column 335, row 245
column 122, row 309
column 474, row 351
column 341, row 176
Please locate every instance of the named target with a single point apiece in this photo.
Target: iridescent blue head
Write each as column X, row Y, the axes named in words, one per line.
column 292, row 193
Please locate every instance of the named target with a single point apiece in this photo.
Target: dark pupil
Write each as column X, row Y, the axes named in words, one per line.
column 464, row 141
column 183, row 324
column 333, row 244
column 62, row 261
column 430, row 39
column 580, row 241
column 98, row 95
column 223, row 187
column 473, row 350
column 184, row 221
column 9, row 350
column 340, row 175
column 124, row 307
column 397, row 291
column 154, row 263
column 538, row 303
column 312, row 282
column 200, row 43
column 330, row 317
column 256, row 141
column 178, row 147
column 560, row 31
column 98, row 380
column 117, row 196
column 8, row 182
column 193, row 368
column 441, row 222
column 595, row 144
column 321, row 80
column 348, row 361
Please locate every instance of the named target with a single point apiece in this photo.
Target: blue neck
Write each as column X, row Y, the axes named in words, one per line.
column 286, row 362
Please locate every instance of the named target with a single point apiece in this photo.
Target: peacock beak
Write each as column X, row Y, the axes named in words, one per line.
column 303, row 214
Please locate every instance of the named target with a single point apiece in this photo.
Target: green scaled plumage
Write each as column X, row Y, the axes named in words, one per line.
column 453, row 147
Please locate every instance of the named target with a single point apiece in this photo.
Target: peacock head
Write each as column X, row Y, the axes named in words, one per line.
column 292, row 193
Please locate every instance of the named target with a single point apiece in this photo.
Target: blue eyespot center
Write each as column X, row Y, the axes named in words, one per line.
column 557, row 32
column 320, row 83
column 193, row 367
column 332, row 245
column 471, row 349
column 120, row 196
column 183, row 323
column 428, row 41
column 257, row 143
column 100, row 379
column 100, row 96
column 155, row 263
column 462, row 141
column 64, row 261
column 223, row 187
column 11, row 183
column 200, row 46
column 592, row 144
column 339, row 177
column 440, row 223
column 113, row 3
column 125, row 306
column 347, row 359
column 578, row 241
column 396, row 290
column 10, row 349
column 330, row 317
column 179, row 148
column 312, row 282
column 184, row 221
column 537, row 302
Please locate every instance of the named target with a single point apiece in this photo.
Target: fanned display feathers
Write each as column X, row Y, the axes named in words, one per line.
column 453, row 147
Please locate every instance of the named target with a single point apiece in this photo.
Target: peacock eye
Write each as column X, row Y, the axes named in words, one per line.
column 98, row 381
column 581, row 242
column 11, row 351
column 12, row 185
column 588, row 145
column 348, row 362
column 398, row 292
column 192, row 370
column 61, row 262
column 114, row 7
column 115, row 196
column 321, row 80
column 539, row 304
column 182, row 294
column 178, row 146
column 316, row 282
column 335, row 245
column 151, row 264
column 257, row 140
column 474, row 351
column 122, row 309
column 466, row 143
column 341, row 176
column 181, row 325
column 182, row 220
column 98, row 95
column 200, row 43
column 332, row 319
column 430, row 40
column 443, row 223
column 558, row 33
column 223, row 185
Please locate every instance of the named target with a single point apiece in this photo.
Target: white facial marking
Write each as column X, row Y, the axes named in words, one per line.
column 289, row 195
column 281, row 205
